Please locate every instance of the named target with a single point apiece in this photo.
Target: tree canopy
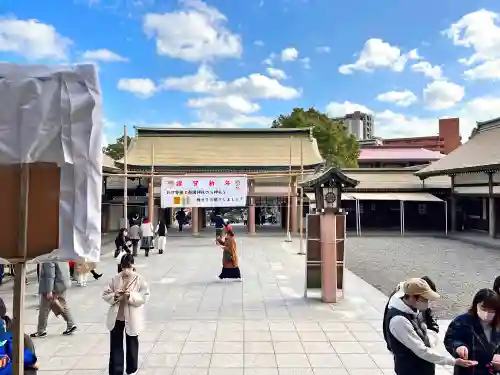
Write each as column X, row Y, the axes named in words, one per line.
column 116, row 150
column 335, row 144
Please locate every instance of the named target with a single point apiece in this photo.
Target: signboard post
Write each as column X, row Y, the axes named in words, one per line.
column 220, row 191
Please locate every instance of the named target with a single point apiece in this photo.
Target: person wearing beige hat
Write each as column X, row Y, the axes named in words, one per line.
column 407, row 332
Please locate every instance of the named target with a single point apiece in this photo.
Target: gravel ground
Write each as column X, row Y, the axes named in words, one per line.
column 458, row 269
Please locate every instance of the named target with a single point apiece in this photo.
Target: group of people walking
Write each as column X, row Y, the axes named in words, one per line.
column 472, row 338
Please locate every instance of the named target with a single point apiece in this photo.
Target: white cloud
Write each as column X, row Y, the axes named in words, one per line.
column 323, row 49
column 141, row 87
column 480, row 31
column 306, row 63
column 400, row 98
column 195, row 33
column 230, row 104
column 254, row 86
column 435, row 72
column 270, row 59
column 389, row 124
column 32, row 39
column 335, row 109
column 379, row 54
column 104, row 55
column 489, row 70
column 440, row 95
column 289, row 54
column 276, row 73
column 259, row 43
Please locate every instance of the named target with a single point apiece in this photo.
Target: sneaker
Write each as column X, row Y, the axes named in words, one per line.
column 69, row 331
column 38, row 334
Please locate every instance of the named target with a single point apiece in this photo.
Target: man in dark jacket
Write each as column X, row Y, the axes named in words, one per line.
column 427, row 315
column 408, row 336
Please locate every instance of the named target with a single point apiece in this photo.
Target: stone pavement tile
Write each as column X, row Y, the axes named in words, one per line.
column 227, row 360
column 92, row 362
column 295, row 371
column 227, row 347
column 372, row 336
column 375, row 347
column 333, row 326
column 285, row 336
column 359, row 327
column 261, row 371
column 259, row 360
column 292, row 360
column 258, row 347
column 308, row 327
column 194, row 360
column 341, row 336
column 312, row 336
column 368, row 372
column 167, row 347
column 190, row 371
column 49, row 372
column 195, row 347
column 383, row 360
column 349, row 348
column 288, row 347
column 153, row 371
column 225, row 371
column 311, row 347
column 59, row 363
column 324, row 360
column 168, row 335
column 257, row 336
column 161, row 360
column 336, row 371
column 87, row 372
column 357, row 361
column 226, row 335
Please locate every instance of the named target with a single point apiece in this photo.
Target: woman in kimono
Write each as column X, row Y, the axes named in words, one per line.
column 147, row 235
column 230, row 266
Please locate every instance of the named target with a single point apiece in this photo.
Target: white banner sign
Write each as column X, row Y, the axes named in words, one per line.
column 222, row 191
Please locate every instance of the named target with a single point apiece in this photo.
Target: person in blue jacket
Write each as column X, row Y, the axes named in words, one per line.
column 6, row 353
column 475, row 335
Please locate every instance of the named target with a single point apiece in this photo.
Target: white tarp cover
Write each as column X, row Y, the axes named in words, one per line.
column 53, row 114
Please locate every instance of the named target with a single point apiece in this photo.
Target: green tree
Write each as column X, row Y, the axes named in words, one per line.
column 115, row 150
column 335, row 144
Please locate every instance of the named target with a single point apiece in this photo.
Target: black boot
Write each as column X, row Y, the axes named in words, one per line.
column 96, row 275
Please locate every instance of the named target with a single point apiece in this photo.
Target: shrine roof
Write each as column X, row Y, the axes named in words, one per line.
column 222, row 148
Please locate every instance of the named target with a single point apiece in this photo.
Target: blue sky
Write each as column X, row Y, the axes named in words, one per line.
column 241, row 63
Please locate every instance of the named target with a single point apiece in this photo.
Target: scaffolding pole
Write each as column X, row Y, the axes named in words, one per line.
column 125, row 174
column 288, row 213
column 301, row 207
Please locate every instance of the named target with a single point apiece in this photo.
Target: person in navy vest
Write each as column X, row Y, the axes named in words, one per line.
column 475, row 335
column 407, row 332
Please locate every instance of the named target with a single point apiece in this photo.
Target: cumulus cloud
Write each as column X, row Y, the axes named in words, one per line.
column 378, row 54
column 197, row 32
column 32, row 39
column 141, row 87
column 104, row 55
column 400, row 98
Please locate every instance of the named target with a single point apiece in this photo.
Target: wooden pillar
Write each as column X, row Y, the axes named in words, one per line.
column 151, row 201
column 294, row 217
column 251, row 216
column 195, row 216
column 492, row 225
column 453, row 206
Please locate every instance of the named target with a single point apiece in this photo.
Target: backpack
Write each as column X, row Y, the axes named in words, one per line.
column 6, row 349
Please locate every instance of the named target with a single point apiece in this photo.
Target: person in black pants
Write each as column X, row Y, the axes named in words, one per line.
column 126, row 293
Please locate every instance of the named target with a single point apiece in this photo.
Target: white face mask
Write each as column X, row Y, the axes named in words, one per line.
column 485, row 316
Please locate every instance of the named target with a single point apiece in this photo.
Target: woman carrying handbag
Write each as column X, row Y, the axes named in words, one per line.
column 126, row 294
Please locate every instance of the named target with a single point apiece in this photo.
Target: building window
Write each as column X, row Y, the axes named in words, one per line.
column 374, row 206
column 361, row 209
column 422, row 209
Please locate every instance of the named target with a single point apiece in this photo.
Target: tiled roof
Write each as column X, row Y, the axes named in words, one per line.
column 108, row 163
column 394, row 179
column 480, row 152
column 207, row 148
column 387, row 154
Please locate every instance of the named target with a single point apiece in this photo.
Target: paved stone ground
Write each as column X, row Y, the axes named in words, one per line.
column 457, row 268
column 198, row 325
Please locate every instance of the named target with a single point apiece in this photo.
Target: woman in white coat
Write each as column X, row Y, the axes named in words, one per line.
column 147, row 235
column 127, row 293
